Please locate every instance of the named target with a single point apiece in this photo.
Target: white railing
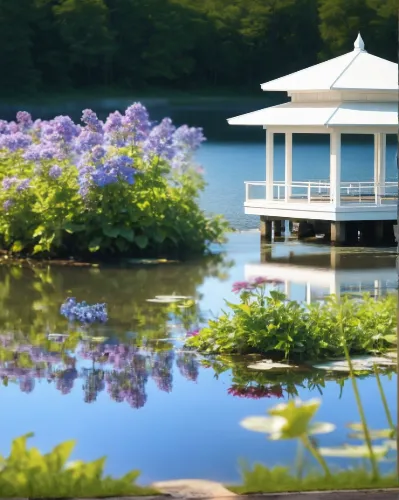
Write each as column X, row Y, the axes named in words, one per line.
column 320, row 192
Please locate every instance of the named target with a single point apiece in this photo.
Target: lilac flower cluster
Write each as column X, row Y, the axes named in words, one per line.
column 84, row 313
column 93, row 147
column 130, row 129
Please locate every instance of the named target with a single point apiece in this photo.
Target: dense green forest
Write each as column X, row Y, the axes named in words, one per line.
column 180, row 44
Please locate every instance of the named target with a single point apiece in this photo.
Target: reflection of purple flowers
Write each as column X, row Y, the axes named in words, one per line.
column 193, row 333
column 65, row 380
column 84, row 313
column 188, row 365
column 162, row 375
column 247, row 286
column 123, row 370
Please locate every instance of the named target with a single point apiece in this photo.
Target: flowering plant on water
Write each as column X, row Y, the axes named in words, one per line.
column 84, row 313
column 268, row 323
column 119, row 187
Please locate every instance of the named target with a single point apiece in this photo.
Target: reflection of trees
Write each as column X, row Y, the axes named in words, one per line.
column 125, row 290
column 122, row 371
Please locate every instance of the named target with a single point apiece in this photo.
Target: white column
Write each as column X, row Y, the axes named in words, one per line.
column 269, row 164
column 308, row 293
column 335, row 168
column 288, row 165
column 380, row 141
column 382, row 145
column 287, row 289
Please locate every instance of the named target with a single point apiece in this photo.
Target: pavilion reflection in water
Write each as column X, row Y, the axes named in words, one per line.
column 309, row 276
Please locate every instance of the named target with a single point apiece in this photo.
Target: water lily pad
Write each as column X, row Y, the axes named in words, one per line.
column 321, row 428
column 268, row 364
column 347, row 451
column 360, row 363
column 173, row 297
column 163, row 301
column 374, row 433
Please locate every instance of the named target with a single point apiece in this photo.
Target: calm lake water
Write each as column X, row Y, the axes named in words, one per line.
column 136, row 396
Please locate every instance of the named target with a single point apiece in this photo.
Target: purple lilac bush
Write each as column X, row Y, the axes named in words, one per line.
column 124, row 186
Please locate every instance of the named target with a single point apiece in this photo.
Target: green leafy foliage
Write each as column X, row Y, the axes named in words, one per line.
column 281, row 479
column 157, row 216
column 286, row 329
column 26, row 472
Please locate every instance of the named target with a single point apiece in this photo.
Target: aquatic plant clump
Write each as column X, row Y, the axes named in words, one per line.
column 28, row 473
column 84, row 313
column 125, row 186
column 270, row 324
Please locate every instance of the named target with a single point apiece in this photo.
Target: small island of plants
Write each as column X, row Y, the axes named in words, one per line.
column 271, row 325
column 122, row 187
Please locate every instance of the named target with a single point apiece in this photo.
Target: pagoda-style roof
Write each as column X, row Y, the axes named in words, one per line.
column 357, row 70
column 351, row 91
column 326, row 114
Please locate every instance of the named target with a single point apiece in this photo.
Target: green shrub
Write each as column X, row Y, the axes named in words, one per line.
column 28, row 473
column 119, row 188
column 286, row 329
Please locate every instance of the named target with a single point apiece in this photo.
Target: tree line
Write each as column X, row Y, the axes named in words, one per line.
column 180, row 44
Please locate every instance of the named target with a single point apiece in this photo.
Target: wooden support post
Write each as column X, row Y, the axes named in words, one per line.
column 338, row 232
column 378, row 232
column 265, row 228
column 277, row 228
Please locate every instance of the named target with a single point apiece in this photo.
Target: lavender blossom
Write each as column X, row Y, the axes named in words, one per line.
column 8, row 204
column 55, row 172
column 90, row 119
column 87, row 139
column 160, row 141
column 60, row 130
column 23, row 185
column 97, row 153
column 188, row 139
column 15, row 141
column 84, row 313
column 9, row 182
column 137, row 122
column 113, row 170
column 24, row 120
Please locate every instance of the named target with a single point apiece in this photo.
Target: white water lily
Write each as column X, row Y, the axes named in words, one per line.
column 290, row 420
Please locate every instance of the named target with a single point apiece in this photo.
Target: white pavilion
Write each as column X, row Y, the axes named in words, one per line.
column 356, row 93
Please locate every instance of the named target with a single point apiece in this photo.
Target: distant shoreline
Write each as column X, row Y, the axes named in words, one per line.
column 150, row 96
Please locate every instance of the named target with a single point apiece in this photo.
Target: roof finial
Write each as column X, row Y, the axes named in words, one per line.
column 359, row 44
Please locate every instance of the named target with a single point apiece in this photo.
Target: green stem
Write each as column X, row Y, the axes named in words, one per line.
column 373, row 461
column 300, row 460
column 315, row 452
column 384, row 399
